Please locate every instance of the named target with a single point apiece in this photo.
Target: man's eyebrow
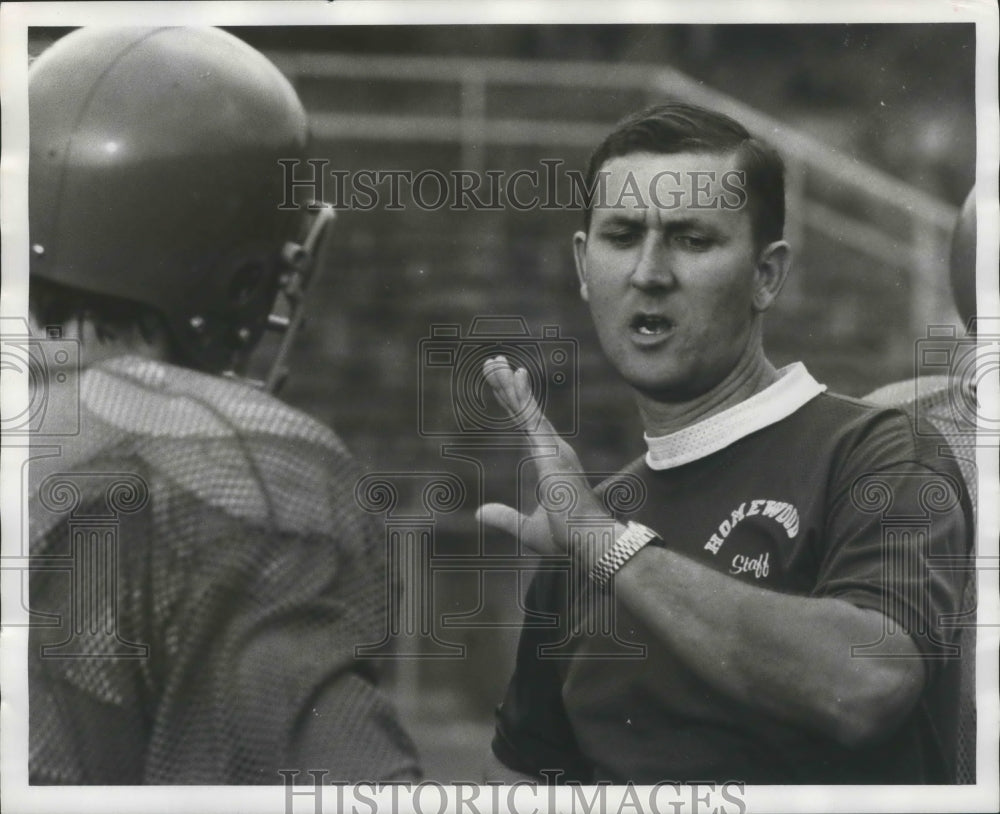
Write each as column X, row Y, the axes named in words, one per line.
column 669, row 226
column 688, row 223
column 624, row 219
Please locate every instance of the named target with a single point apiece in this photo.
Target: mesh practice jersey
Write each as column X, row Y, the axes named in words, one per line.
column 795, row 491
column 201, row 577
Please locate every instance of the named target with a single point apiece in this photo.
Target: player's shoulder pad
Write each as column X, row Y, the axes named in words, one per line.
column 236, row 447
column 152, row 398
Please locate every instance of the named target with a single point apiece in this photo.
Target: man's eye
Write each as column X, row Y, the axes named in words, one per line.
column 694, row 243
column 622, row 238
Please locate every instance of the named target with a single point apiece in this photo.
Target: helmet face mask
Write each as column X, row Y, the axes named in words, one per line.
column 154, row 178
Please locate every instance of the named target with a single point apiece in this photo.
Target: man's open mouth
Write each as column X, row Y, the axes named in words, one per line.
column 651, row 325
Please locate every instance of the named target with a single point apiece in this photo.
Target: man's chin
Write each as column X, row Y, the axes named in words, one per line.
column 663, row 389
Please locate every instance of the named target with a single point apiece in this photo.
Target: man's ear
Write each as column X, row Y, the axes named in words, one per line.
column 770, row 272
column 580, row 258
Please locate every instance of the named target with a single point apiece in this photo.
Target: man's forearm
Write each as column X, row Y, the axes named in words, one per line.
column 788, row 656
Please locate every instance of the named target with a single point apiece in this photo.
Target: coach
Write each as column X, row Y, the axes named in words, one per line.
column 783, row 572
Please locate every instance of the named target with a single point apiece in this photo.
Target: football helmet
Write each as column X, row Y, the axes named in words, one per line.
column 154, row 178
column 962, row 267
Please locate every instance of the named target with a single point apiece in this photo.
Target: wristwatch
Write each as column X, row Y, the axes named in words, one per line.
column 626, row 546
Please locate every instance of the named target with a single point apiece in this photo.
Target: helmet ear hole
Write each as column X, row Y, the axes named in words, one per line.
column 246, row 284
column 202, row 118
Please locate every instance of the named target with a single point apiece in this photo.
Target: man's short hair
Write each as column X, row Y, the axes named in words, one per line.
column 677, row 127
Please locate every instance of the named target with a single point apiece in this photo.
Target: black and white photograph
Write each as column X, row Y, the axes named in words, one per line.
column 544, row 407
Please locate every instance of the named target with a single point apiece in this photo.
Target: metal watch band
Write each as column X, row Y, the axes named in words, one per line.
column 626, row 546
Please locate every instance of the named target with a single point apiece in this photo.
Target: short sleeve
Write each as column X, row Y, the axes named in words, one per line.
column 898, row 533
column 533, row 733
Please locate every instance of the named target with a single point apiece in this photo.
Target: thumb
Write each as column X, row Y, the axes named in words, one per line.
column 499, row 516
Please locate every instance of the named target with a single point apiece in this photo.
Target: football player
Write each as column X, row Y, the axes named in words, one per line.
column 205, row 633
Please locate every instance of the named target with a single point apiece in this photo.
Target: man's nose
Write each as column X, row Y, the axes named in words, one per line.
column 653, row 266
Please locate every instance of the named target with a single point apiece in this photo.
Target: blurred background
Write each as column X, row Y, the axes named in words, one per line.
column 877, row 125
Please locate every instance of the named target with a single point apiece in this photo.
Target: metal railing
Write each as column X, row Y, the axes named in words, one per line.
column 920, row 250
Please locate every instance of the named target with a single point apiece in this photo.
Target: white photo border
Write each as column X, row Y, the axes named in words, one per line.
column 15, row 19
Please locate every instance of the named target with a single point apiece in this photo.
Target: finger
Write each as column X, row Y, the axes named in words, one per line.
column 537, row 425
column 521, row 386
column 517, row 390
column 499, row 375
column 513, row 390
column 494, row 368
column 499, row 516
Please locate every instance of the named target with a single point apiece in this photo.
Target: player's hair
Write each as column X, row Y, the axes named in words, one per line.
column 678, row 127
column 55, row 305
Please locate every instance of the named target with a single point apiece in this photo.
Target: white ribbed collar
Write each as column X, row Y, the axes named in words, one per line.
column 795, row 386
